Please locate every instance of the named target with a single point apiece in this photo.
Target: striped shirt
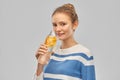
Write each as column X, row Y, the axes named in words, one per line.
column 74, row 63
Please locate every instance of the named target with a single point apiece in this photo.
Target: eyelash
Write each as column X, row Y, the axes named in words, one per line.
column 61, row 24
column 54, row 25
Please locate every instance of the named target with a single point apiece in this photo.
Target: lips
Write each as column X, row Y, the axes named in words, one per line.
column 60, row 34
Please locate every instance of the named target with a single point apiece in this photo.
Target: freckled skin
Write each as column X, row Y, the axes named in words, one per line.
column 63, row 26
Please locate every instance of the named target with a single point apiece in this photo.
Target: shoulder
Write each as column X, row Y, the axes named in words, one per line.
column 74, row 49
column 82, row 49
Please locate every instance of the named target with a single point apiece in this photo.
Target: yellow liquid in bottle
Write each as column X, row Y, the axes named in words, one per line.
column 51, row 41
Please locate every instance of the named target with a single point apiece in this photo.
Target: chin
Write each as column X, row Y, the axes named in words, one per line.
column 61, row 38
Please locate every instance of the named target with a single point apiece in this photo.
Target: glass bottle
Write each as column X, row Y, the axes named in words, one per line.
column 50, row 41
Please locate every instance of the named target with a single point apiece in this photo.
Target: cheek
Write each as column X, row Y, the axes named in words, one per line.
column 69, row 31
column 54, row 29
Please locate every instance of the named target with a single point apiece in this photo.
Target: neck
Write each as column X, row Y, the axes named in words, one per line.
column 68, row 43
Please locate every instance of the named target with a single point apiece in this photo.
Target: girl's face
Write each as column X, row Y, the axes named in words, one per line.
column 63, row 26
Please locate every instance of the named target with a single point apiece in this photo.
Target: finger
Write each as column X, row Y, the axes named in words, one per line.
column 43, row 47
column 42, row 50
column 37, row 56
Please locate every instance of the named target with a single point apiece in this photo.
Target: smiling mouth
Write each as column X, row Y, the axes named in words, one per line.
column 60, row 34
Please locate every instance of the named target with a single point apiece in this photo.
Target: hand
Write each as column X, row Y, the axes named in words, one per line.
column 43, row 55
column 42, row 50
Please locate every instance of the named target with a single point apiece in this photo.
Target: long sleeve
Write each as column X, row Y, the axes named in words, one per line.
column 40, row 77
column 88, row 70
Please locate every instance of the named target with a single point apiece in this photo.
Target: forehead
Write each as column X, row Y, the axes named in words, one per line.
column 60, row 17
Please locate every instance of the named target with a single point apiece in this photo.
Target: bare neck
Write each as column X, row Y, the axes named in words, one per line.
column 68, row 43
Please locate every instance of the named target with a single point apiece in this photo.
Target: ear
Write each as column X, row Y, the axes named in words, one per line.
column 75, row 25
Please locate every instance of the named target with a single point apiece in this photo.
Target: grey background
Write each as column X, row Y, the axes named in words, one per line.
column 25, row 23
